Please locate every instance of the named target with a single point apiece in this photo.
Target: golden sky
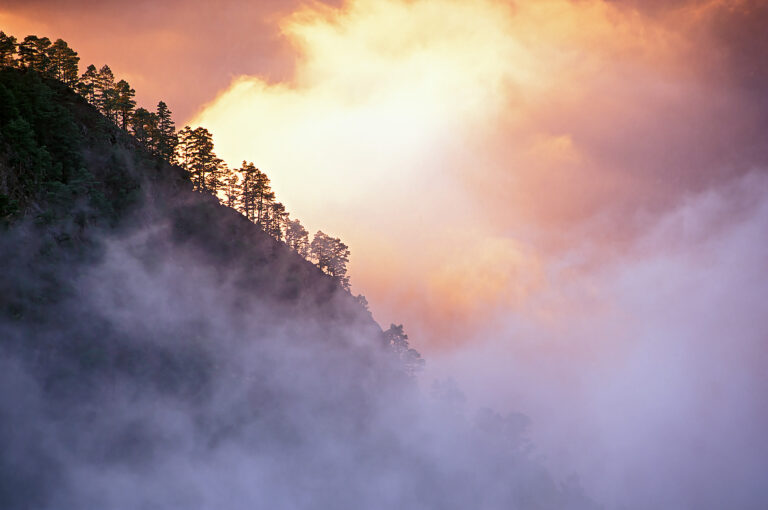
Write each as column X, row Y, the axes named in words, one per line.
column 462, row 149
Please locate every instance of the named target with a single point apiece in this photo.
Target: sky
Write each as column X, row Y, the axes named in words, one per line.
column 563, row 201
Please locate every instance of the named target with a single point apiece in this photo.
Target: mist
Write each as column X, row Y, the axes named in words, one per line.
column 564, row 202
column 646, row 375
column 166, row 368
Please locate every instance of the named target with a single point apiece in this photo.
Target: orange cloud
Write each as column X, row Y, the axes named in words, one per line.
column 460, row 148
column 444, row 130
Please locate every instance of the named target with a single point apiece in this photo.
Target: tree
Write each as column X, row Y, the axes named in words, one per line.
column 166, row 133
column 7, row 50
column 264, row 197
column 33, row 53
column 397, row 341
column 215, row 176
column 297, row 237
column 247, row 202
column 331, row 256
column 232, row 190
column 88, row 83
column 104, row 92
column 144, row 128
column 124, row 102
column 275, row 222
column 63, row 62
column 195, row 154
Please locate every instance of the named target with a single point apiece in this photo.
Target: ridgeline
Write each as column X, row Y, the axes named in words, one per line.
column 161, row 349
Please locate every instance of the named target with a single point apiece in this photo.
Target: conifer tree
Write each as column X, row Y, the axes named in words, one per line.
column 143, row 126
column 105, row 94
column 166, row 132
column 216, row 174
column 87, row 84
column 7, row 50
column 410, row 359
column 297, row 237
column 247, row 202
column 275, row 222
column 232, row 190
column 331, row 256
column 264, row 197
column 33, row 53
column 124, row 103
column 63, row 62
column 195, row 154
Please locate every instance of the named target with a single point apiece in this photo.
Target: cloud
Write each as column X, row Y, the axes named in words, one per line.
column 429, row 131
column 646, row 375
column 561, row 201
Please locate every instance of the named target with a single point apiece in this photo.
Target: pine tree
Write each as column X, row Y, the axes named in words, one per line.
column 331, row 256
column 247, row 202
column 105, row 94
column 7, row 50
column 63, row 62
column 195, row 154
column 275, row 224
column 124, row 103
column 144, row 128
column 410, row 359
column 232, row 190
column 216, row 173
column 33, row 53
column 264, row 197
column 166, row 132
column 87, row 84
column 297, row 237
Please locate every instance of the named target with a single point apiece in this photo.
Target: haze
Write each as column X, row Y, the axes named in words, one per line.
column 564, row 202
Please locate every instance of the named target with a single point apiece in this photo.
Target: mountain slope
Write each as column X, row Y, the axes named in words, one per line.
column 159, row 350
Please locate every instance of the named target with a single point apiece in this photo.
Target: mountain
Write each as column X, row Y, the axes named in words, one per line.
column 159, row 350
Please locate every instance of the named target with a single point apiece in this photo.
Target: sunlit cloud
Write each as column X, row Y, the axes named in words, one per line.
column 439, row 128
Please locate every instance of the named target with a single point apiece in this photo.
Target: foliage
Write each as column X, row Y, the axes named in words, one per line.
column 331, row 256
column 297, row 237
column 7, row 50
column 410, row 359
column 195, row 154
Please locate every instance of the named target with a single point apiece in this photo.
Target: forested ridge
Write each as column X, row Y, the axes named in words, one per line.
column 246, row 189
column 34, row 173
column 169, row 338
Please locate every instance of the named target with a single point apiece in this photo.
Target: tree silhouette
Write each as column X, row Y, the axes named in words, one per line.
column 297, row 237
column 63, row 62
column 232, row 190
column 7, row 50
column 247, row 202
column 264, row 196
column 331, row 256
column 143, row 126
column 195, row 154
column 166, row 133
column 88, row 84
column 33, row 53
column 410, row 359
column 123, row 102
column 275, row 222
column 105, row 94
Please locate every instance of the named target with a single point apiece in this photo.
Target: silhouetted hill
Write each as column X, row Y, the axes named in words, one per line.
column 158, row 350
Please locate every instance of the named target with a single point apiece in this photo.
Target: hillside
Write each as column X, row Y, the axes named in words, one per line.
column 158, row 349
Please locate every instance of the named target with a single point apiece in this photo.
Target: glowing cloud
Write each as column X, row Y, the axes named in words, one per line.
column 447, row 129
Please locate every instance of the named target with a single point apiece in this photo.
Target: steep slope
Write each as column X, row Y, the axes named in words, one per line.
column 159, row 350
